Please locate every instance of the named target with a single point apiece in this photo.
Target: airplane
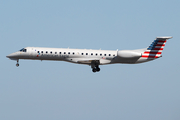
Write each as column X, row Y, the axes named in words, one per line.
column 93, row 58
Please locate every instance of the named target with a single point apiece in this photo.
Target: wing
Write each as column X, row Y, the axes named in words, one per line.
column 89, row 61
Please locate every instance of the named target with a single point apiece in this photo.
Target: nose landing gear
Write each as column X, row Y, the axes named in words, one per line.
column 17, row 64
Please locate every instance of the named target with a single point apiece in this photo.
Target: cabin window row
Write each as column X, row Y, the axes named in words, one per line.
column 99, row 54
column 74, row 53
column 54, row 52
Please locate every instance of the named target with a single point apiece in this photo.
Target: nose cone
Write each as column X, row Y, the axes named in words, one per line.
column 13, row 55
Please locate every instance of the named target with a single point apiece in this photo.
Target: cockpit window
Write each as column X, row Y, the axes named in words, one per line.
column 23, row 50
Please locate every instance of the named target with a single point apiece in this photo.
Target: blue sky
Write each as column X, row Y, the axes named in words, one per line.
column 60, row 90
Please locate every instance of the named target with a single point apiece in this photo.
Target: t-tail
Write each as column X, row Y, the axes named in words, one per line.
column 156, row 48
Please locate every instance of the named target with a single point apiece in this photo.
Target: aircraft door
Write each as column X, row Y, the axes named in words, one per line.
column 32, row 53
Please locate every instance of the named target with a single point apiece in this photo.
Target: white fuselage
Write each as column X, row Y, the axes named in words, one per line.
column 80, row 56
column 94, row 58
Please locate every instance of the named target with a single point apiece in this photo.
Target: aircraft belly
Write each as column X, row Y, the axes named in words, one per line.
column 125, row 60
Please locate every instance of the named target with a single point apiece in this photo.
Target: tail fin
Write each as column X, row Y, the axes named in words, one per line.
column 156, row 48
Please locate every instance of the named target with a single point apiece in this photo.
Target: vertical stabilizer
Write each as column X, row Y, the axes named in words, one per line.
column 156, row 48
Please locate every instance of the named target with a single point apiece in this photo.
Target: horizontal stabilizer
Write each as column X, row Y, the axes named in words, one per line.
column 166, row 37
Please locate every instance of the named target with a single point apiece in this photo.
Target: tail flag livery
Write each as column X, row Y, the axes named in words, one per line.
column 156, row 48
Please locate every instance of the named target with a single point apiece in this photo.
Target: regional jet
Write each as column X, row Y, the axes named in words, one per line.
column 93, row 58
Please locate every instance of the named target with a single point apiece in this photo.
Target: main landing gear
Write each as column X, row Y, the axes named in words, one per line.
column 95, row 68
column 17, row 64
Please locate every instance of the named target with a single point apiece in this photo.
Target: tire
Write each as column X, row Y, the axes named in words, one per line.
column 94, row 70
column 97, row 69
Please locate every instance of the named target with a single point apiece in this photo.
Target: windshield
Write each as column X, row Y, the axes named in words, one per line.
column 23, row 50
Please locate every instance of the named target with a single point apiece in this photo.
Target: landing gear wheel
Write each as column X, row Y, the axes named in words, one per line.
column 95, row 66
column 94, row 70
column 17, row 65
column 97, row 69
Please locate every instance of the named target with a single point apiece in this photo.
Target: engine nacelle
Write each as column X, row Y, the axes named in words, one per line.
column 128, row 54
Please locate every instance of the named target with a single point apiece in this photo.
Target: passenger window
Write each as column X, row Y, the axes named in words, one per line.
column 104, row 54
column 64, row 52
column 55, row 52
column 82, row 53
column 59, row 52
column 91, row 53
column 37, row 51
column 86, row 53
column 68, row 52
column 100, row 54
column 96, row 54
column 113, row 54
column 51, row 52
column 41, row 51
column 109, row 54
column 46, row 51
column 73, row 53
